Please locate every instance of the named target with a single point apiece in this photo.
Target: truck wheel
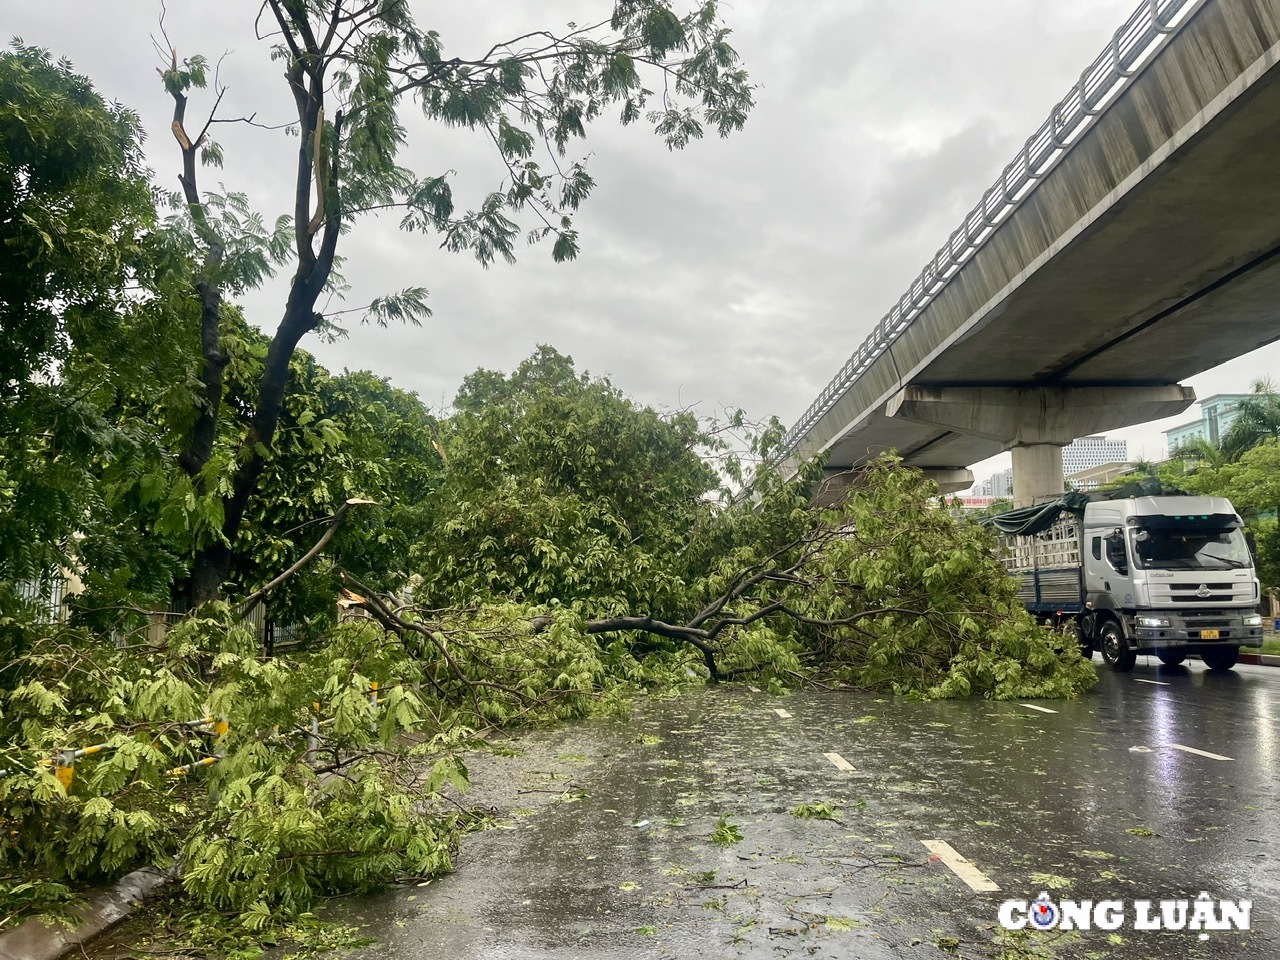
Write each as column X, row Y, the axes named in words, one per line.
column 1220, row 658
column 1171, row 658
column 1115, row 649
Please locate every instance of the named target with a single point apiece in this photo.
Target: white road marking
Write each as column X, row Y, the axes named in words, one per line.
column 840, row 762
column 1032, row 706
column 978, row 881
column 1158, row 683
column 783, row 714
column 753, row 689
column 1139, row 749
column 1200, row 753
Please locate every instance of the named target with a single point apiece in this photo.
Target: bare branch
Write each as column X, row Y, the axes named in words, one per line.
column 334, row 523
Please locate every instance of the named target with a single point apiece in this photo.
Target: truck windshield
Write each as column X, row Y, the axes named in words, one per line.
column 1175, row 549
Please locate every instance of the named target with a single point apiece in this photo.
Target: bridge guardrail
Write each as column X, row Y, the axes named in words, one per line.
column 1132, row 46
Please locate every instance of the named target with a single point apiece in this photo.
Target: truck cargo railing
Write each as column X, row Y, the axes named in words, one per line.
column 1055, row 549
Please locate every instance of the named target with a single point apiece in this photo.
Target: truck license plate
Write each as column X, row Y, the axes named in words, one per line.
column 1208, row 634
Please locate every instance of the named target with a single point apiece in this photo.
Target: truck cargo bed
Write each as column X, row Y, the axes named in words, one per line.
column 1047, row 566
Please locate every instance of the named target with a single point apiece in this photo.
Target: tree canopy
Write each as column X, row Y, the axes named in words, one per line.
column 1257, row 419
column 351, row 68
column 75, row 204
column 558, row 487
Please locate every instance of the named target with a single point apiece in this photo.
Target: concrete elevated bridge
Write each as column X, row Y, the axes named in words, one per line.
column 1133, row 242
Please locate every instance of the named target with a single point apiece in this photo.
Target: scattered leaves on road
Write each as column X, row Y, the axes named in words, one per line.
column 843, row 923
column 1050, row 881
column 819, row 810
column 726, row 834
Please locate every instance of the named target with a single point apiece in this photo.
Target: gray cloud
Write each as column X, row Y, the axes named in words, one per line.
column 737, row 273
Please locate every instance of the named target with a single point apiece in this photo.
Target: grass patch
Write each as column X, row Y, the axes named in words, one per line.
column 1270, row 645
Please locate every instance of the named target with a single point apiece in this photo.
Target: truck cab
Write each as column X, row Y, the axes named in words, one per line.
column 1137, row 570
column 1170, row 575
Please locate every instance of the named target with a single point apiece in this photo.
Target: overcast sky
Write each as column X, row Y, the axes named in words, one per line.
column 736, row 273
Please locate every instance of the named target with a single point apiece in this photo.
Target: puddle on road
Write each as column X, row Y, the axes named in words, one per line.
column 602, row 841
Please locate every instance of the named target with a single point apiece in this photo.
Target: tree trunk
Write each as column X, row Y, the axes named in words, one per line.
column 209, row 571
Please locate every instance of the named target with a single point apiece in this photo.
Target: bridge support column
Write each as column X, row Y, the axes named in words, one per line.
column 1037, row 473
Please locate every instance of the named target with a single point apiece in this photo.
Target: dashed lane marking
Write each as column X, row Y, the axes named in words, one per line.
column 783, row 714
column 1032, row 706
column 1157, row 683
column 1200, row 753
column 840, row 762
column 978, row 881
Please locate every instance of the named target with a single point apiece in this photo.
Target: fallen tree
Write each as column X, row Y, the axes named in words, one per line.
column 883, row 591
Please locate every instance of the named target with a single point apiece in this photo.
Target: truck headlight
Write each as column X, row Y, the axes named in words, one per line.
column 1253, row 620
column 1152, row 621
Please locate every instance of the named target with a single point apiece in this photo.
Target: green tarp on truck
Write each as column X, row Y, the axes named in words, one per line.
column 1026, row 521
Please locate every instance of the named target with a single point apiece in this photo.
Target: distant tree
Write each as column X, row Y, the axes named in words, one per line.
column 558, row 487
column 75, row 212
column 1165, row 472
column 1257, row 419
column 1143, row 468
column 1252, row 482
column 350, row 67
column 1199, row 452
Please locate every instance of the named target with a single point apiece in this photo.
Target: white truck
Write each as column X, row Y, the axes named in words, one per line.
column 1167, row 574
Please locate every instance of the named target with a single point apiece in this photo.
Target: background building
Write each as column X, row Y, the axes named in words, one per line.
column 997, row 485
column 1095, row 477
column 1089, row 452
column 1217, row 413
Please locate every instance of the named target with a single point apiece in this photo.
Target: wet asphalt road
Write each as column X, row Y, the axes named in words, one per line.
column 603, row 844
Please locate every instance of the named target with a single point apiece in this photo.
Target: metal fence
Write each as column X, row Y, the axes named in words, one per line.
column 1132, row 46
column 48, row 599
column 47, row 596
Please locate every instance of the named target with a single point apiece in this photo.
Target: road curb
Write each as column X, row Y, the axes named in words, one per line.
column 1260, row 659
column 36, row 939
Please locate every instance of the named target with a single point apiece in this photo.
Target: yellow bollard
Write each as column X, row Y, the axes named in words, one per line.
column 313, row 735
column 65, row 768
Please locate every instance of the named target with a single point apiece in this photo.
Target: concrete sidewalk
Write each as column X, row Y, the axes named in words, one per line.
column 36, row 939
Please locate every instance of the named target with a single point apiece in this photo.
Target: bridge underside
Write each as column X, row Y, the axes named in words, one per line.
column 1147, row 276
